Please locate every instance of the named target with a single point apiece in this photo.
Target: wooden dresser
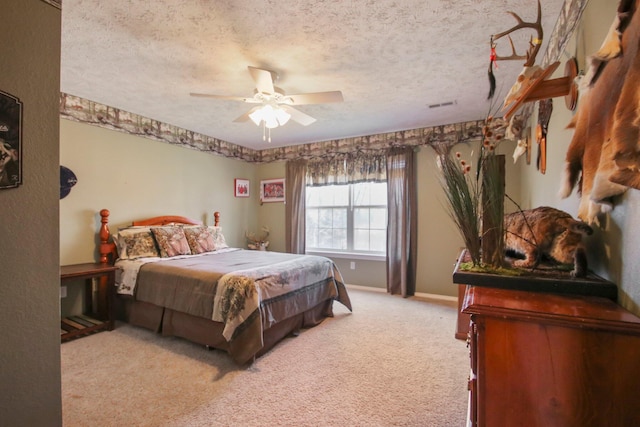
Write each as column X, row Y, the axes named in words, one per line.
column 541, row 359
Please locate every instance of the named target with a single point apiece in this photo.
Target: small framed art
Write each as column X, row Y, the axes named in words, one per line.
column 272, row 190
column 241, row 187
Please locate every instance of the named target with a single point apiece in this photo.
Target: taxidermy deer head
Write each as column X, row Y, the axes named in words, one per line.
column 530, row 71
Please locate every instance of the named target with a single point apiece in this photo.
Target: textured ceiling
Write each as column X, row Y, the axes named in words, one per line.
column 391, row 59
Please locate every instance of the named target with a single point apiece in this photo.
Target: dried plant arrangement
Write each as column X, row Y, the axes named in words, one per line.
column 256, row 242
column 475, row 199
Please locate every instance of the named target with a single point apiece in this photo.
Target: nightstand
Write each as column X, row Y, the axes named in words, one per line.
column 98, row 314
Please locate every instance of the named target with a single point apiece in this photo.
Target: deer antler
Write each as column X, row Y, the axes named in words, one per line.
column 534, row 44
column 514, row 54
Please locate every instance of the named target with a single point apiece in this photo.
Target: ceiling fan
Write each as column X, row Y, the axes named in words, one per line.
column 275, row 107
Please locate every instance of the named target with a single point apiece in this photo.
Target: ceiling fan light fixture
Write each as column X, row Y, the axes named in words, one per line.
column 274, row 108
column 271, row 122
column 282, row 116
column 257, row 116
column 272, row 117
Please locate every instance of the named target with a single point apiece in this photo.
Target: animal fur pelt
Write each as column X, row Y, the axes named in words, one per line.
column 603, row 159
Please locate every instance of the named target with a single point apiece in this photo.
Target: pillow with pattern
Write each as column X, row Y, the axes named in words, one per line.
column 135, row 242
column 218, row 237
column 140, row 245
column 171, row 241
column 200, row 239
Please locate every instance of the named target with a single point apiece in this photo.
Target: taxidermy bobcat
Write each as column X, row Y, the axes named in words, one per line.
column 546, row 233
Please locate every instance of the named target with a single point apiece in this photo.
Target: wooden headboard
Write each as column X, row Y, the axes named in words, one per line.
column 107, row 248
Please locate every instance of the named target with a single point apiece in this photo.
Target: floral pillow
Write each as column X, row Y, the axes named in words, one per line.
column 218, row 237
column 201, row 239
column 141, row 245
column 135, row 242
column 171, row 241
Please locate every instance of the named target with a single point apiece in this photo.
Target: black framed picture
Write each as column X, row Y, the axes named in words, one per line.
column 10, row 141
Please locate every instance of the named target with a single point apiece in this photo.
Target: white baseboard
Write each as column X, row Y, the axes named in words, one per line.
column 366, row 288
column 417, row 294
column 436, row 296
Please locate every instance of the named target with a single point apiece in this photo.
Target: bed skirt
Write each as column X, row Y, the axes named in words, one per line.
column 208, row 332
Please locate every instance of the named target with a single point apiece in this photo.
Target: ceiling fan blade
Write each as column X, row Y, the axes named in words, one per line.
column 230, row 98
column 315, row 98
column 298, row 116
column 242, row 118
column 208, row 95
column 263, row 79
column 245, row 117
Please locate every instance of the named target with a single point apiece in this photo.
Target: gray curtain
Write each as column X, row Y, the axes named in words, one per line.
column 295, row 189
column 402, row 222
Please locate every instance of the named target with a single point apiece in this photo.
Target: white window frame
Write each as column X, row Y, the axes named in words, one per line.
column 352, row 253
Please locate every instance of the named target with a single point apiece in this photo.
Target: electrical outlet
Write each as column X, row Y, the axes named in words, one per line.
column 353, row 265
column 63, row 291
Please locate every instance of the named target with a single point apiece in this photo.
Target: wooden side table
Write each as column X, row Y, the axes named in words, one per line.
column 96, row 318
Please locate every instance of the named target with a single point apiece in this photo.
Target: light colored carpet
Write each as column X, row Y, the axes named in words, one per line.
column 392, row 362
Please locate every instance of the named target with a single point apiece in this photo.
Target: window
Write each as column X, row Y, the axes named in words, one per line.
column 347, row 218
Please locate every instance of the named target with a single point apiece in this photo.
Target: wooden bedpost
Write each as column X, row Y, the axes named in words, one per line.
column 216, row 218
column 105, row 246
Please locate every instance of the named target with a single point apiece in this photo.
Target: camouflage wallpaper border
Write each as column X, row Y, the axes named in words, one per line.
column 568, row 19
column 89, row 112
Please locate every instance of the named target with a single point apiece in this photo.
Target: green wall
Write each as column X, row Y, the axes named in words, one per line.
column 270, row 214
column 137, row 178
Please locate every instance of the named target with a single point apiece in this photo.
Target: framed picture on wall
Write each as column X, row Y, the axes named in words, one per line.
column 10, row 141
column 272, row 190
column 241, row 187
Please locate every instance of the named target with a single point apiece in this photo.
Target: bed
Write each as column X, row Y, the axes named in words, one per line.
column 179, row 278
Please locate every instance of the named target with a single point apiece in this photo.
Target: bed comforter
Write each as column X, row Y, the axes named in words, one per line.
column 247, row 291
